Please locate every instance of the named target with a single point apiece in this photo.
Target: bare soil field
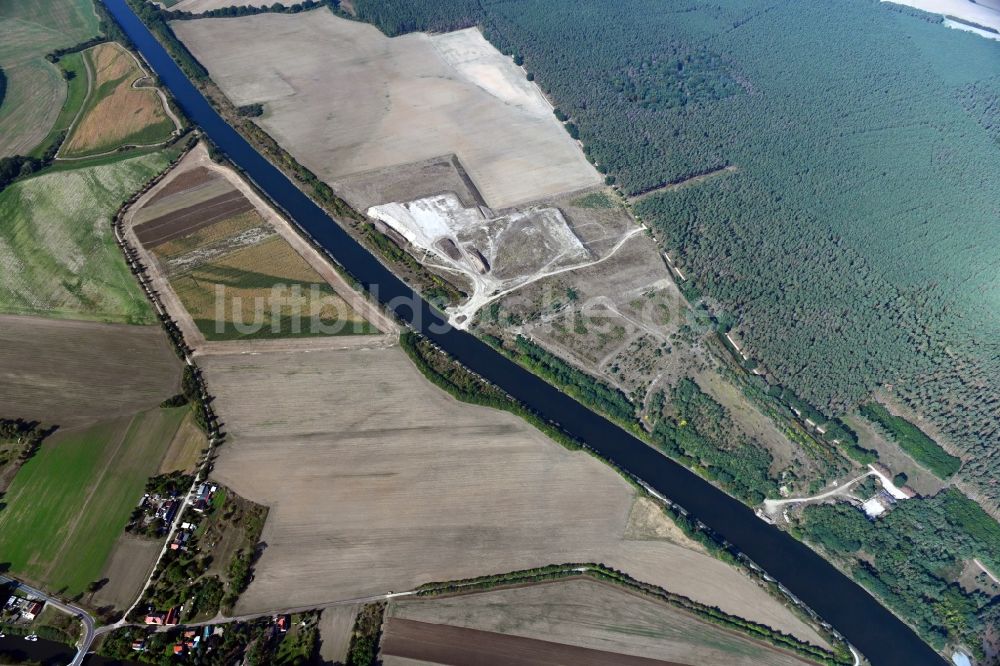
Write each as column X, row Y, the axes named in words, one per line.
column 127, row 569
column 71, row 373
column 228, row 267
column 409, row 181
column 441, row 644
column 335, row 626
column 594, row 615
column 185, row 448
column 116, row 111
column 412, row 98
column 376, row 480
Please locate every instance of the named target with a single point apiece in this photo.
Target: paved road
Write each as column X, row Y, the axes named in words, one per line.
column 79, row 613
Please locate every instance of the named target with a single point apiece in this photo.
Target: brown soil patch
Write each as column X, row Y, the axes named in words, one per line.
column 442, row 644
column 71, row 373
column 184, row 181
column 187, row 220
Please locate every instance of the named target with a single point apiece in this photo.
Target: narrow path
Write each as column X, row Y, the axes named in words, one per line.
column 771, row 506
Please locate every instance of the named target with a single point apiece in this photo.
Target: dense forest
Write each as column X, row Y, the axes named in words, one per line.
column 856, row 241
column 912, row 557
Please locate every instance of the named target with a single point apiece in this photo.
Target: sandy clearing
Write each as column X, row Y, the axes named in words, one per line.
column 335, row 626
column 73, row 373
column 376, row 481
column 595, row 615
column 411, row 98
column 963, row 9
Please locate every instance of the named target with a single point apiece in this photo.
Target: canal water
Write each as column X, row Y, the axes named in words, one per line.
column 872, row 629
column 46, row 652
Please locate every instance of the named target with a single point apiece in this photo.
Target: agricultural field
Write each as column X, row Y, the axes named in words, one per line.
column 423, row 96
column 35, row 89
column 355, row 496
column 588, row 614
column 436, row 643
column 72, row 373
column 335, row 628
column 118, row 110
column 68, row 505
column 233, row 268
column 57, row 248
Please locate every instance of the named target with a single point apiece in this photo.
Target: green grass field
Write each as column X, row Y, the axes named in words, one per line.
column 75, row 96
column 35, row 88
column 69, row 504
column 57, row 250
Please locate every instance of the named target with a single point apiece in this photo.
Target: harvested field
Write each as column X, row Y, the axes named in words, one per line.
column 229, row 268
column 70, row 373
column 35, row 89
column 58, row 253
column 69, row 504
column 116, row 112
column 185, row 448
column 335, row 626
column 441, row 644
column 593, row 615
column 127, row 569
column 412, row 98
column 357, row 492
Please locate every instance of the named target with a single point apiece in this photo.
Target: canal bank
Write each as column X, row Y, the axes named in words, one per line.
column 876, row 632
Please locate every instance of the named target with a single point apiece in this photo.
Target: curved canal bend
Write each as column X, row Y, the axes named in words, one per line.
column 872, row 629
